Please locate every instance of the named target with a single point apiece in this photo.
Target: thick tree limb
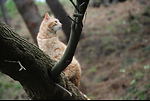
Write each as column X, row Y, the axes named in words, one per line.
column 27, row 64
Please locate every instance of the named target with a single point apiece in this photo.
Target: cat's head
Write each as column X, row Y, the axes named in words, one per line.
column 52, row 23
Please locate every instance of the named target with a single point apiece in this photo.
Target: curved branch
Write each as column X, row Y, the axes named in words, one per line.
column 76, row 29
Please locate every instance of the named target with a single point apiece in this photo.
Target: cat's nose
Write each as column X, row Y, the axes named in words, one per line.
column 60, row 24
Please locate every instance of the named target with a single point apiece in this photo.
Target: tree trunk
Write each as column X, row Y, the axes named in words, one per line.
column 61, row 14
column 27, row 64
column 5, row 16
column 31, row 16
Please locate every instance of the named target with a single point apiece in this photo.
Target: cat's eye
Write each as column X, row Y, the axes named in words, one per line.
column 56, row 21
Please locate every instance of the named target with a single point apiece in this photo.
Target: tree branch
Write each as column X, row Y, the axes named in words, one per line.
column 27, row 64
column 76, row 29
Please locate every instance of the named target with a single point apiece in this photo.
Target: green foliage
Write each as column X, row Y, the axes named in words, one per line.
column 108, row 40
column 127, row 62
column 142, row 59
column 11, row 8
column 138, row 74
column 147, row 10
column 38, row 2
column 146, row 67
column 127, row 40
column 94, row 32
column 88, row 61
column 93, row 69
column 137, row 94
column 110, row 29
column 109, row 47
column 65, row 1
column 122, row 70
column 147, row 48
column 14, row 87
column 133, row 82
column 117, row 22
column 0, row 12
column 134, row 27
column 147, row 86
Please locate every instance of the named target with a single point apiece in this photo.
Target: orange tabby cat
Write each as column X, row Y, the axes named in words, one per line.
column 49, row 42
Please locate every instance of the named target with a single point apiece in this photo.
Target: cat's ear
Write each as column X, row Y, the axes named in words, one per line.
column 47, row 17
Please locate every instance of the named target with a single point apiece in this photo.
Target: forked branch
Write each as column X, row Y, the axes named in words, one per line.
column 76, row 29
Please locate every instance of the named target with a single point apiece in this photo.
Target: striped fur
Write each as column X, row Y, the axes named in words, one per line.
column 49, row 42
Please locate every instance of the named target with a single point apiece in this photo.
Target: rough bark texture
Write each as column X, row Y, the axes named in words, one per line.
column 31, row 16
column 35, row 79
column 61, row 14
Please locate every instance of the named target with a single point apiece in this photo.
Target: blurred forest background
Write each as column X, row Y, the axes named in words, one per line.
column 114, row 50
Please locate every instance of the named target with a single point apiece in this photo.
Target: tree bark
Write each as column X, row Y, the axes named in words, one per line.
column 61, row 14
column 27, row 64
column 31, row 16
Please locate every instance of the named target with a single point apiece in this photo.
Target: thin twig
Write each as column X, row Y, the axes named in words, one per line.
column 72, row 20
column 18, row 63
column 11, row 61
column 64, row 89
column 21, row 66
column 77, row 15
column 81, row 5
column 74, row 5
